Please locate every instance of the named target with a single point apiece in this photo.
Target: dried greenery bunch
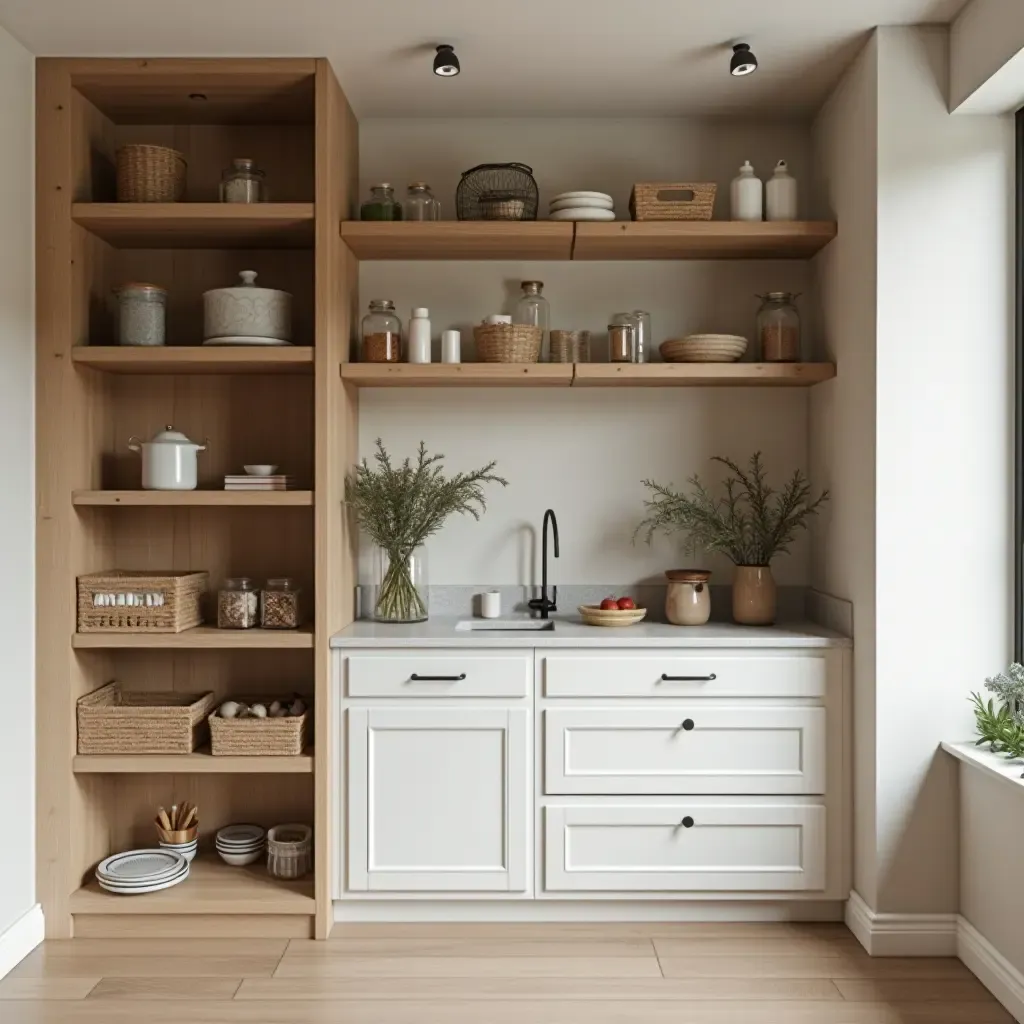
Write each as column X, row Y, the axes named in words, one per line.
column 750, row 525
column 1003, row 728
column 400, row 506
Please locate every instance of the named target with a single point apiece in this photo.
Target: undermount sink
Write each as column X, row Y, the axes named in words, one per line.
column 505, row 625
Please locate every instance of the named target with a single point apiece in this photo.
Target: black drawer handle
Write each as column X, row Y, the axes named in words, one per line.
column 687, row 724
column 687, row 822
column 688, row 679
column 438, row 679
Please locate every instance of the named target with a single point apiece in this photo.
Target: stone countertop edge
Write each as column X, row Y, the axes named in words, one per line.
column 1009, row 770
column 572, row 633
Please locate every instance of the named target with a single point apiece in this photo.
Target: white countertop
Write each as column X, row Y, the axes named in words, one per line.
column 569, row 631
column 1009, row 770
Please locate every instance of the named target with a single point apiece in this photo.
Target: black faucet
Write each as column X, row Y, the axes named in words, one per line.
column 542, row 604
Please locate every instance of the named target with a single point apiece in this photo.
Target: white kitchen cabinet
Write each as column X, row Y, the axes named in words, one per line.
column 438, row 799
column 439, row 674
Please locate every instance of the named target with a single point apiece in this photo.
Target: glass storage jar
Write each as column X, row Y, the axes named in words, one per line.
column 778, row 328
column 279, row 604
column 625, row 346
column 382, row 204
column 533, row 309
column 401, row 586
column 141, row 314
column 243, row 182
column 382, row 333
column 420, row 203
column 237, row 604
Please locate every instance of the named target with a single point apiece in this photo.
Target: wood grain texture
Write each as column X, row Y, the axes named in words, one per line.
column 50, row 989
column 468, row 948
column 470, row 967
column 666, row 375
column 200, row 637
column 167, row 990
column 193, row 499
column 499, row 375
column 598, row 931
column 149, row 968
column 201, row 762
column 165, row 947
column 857, row 966
column 934, row 990
column 192, row 926
column 195, row 359
column 808, row 946
column 458, row 240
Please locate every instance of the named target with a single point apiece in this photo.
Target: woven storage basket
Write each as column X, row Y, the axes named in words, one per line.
column 507, row 343
column 150, row 174
column 673, row 201
column 103, row 601
column 241, row 737
column 570, row 346
column 113, row 722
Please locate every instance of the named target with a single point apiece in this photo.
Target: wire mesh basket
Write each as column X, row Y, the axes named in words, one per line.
column 497, row 192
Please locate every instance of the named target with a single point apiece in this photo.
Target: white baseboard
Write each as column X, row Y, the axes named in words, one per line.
column 901, row 934
column 992, row 969
column 20, row 939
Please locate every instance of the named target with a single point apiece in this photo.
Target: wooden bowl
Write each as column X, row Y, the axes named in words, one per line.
column 182, row 836
column 592, row 615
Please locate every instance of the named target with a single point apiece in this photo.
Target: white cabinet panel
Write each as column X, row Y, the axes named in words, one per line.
column 686, row 748
column 452, row 673
column 438, row 799
column 721, row 845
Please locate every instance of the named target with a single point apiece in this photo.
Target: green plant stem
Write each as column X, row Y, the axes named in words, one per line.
column 398, row 600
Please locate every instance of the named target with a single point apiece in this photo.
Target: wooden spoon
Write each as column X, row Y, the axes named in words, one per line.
column 164, row 820
column 188, row 819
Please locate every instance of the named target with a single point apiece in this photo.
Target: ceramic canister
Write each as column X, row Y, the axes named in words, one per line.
column 688, row 597
column 169, row 461
column 246, row 311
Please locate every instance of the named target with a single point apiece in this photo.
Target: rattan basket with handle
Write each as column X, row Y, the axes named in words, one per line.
column 507, row 343
column 150, row 174
column 673, row 200
column 111, row 721
column 140, row 602
column 252, row 737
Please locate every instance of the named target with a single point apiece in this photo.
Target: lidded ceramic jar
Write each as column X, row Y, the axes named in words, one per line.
column 246, row 311
column 169, row 461
column 688, row 597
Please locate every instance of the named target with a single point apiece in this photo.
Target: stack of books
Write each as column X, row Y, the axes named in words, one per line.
column 248, row 482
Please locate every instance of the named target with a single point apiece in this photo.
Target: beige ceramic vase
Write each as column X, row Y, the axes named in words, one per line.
column 753, row 595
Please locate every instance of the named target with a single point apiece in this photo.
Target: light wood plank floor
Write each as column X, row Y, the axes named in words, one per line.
column 497, row 974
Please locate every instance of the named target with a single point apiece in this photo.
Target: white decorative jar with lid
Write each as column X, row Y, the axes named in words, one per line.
column 169, row 461
column 247, row 314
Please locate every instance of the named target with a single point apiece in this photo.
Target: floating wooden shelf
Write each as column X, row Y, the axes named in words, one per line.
column 458, row 240
column 202, row 762
column 499, row 375
column 198, row 225
column 195, row 359
column 212, row 887
column 661, row 375
column 134, row 499
column 200, row 637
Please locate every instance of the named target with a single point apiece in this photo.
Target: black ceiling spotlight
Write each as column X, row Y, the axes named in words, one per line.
column 446, row 64
column 743, row 61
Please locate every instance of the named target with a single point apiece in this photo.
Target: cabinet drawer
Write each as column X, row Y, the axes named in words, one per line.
column 674, row 673
column 439, row 674
column 688, row 748
column 724, row 845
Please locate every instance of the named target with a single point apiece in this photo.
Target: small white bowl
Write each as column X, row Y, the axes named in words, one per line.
column 261, row 470
column 240, row 860
column 187, row 850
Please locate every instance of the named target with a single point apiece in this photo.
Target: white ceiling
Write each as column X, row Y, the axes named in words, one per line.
column 519, row 57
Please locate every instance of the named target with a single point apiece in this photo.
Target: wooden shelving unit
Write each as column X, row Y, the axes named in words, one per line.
column 193, row 499
column 202, row 762
column 458, row 240
column 191, row 359
column 198, row 638
column 471, row 375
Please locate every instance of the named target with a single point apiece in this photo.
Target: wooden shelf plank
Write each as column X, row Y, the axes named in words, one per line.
column 135, row 499
column 458, row 240
column 202, row 762
column 453, row 375
column 195, row 359
column 212, row 887
column 659, row 375
column 701, row 240
column 200, row 637
column 198, row 225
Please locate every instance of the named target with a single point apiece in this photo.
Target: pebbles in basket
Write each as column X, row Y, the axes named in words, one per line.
column 582, row 206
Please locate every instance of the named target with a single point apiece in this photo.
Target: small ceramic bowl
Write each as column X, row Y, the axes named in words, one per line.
column 260, row 470
column 187, row 850
column 240, row 860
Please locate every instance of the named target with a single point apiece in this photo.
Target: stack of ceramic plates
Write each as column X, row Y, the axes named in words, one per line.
column 239, row 845
column 704, row 348
column 582, row 206
column 140, row 871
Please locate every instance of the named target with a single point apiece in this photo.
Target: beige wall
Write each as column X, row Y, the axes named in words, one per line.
column 987, row 57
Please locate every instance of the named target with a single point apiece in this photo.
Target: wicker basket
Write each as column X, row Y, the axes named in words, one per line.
column 507, row 343
column 150, row 174
column 251, row 737
column 113, row 722
column 673, row 201
column 570, row 346
column 116, row 602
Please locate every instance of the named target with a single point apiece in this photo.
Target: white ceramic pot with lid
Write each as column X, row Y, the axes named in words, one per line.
column 247, row 312
column 169, row 461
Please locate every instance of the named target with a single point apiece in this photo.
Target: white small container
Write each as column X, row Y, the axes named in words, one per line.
column 169, row 461
column 747, row 194
column 490, row 604
column 498, row 318
column 451, row 347
column 781, row 192
column 418, row 348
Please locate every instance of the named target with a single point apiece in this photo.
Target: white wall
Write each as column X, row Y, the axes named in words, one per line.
column 17, row 504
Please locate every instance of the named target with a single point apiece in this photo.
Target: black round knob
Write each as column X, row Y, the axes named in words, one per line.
column 688, row 724
column 687, row 822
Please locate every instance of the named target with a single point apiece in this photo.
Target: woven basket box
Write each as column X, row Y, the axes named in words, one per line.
column 111, row 721
column 140, row 602
column 255, row 737
column 686, row 200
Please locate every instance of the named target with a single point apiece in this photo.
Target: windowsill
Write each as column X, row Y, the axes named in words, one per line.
column 995, row 765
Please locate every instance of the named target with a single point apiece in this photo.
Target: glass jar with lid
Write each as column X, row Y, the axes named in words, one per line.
column 382, row 204
column 382, row 333
column 141, row 314
column 279, row 604
column 533, row 309
column 420, row 203
column 237, row 604
column 778, row 328
column 243, row 182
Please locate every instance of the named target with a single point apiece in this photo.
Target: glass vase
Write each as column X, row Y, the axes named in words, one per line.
column 400, row 586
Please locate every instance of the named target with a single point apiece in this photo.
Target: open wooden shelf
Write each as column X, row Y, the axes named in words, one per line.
column 453, row 375
column 202, row 762
column 209, row 637
column 195, row 359
column 199, row 225
column 159, row 499
column 212, row 887
column 458, row 240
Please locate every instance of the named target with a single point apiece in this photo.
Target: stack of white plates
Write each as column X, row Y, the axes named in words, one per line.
column 704, row 348
column 239, row 845
column 140, row 871
column 582, row 206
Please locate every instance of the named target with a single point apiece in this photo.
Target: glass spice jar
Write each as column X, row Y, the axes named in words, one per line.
column 243, row 182
column 237, row 604
column 622, row 331
column 382, row 333
column 142, row 310
column 533, row 310
column 382, row 204
column 279, row 604
column 778, row 328
column 420, row 203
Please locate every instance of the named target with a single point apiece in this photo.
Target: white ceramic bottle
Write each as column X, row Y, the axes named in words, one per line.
column 419, row 336
column 747, row 194
column 781, row 194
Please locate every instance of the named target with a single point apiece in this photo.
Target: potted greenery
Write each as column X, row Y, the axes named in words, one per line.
column 1002, row 729
column 399, row 507
column 751, row 524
